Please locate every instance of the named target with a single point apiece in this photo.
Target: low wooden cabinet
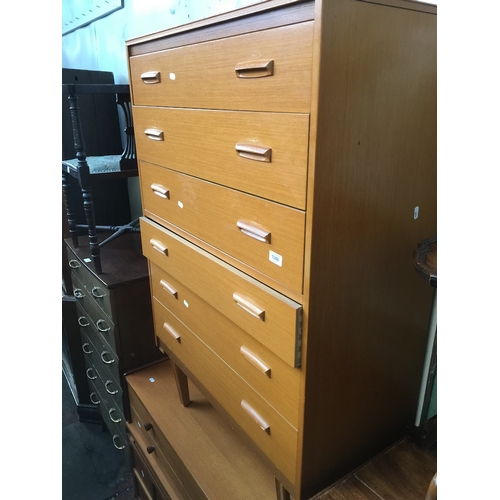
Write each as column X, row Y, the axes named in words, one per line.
column 287, row 160
column 115, row 320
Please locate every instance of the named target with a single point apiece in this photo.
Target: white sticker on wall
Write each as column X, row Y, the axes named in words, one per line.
column 275, row 258
column 172, row 76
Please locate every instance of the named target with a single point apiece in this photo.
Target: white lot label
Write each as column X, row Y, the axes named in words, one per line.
column 275, row 258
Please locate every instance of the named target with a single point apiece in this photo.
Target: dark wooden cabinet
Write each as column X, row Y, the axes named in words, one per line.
column 115, row 321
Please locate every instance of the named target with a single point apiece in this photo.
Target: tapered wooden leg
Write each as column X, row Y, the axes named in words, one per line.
column 182, row 385
column 281, row 491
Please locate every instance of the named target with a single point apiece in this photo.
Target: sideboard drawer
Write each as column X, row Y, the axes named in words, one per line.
column 266, row 236
column 259, row 153
column 276, row 381
column 274, row 435
column 268, row 316
column 270, row 70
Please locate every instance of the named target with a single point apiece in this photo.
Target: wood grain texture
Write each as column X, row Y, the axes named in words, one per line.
column 222, row 464
column 211, row 213
column 205, row 74
column 202, row 143
column 374, row 160
column 215, row 282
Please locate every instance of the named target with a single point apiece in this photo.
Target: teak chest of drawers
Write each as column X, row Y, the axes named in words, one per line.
column 287, row 158
column 116, row 325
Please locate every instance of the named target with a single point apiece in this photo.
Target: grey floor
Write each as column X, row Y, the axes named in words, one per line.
column 92, row 468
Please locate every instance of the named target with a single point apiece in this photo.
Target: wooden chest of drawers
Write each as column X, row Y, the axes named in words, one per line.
column 115, row 318
column 288, row 168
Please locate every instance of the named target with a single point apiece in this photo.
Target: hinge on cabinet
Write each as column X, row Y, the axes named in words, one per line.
column 298, row 339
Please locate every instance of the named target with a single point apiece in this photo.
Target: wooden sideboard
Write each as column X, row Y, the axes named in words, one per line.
column 287, row 157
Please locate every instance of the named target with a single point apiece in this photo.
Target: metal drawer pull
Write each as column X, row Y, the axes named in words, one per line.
column 109, row 360
column 84, row 346
column 254, row 232
column 151, row 77
column 74, row 264
column 172, row 332
column 159, row 246
column 252, row 152
column 98, row 292
column 78, row 293
column 115, row 437
column 255, row 361
column 115, row 420
column 92, row 400
column 256, row 417
column 160, row 191
column 255, row 69
column 250, row 308
column 82, row 321
column 102, row 329
column 168, row 288
column 108, row 382
column 154, row 134
column 89, row 376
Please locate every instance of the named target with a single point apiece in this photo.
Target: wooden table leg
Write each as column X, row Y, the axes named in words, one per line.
column 182, row 384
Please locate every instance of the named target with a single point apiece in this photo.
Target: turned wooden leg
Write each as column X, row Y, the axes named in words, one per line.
column 281, row 491
column 182, row 385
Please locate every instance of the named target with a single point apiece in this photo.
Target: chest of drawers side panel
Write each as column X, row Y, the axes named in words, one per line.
column 373, row 160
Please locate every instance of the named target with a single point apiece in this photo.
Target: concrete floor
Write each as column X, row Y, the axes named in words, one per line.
column 92, row 468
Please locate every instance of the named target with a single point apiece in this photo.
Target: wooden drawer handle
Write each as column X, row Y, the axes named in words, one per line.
column 154, row 134
column 255, row 69
column 252, row 152
column 168, row 288
column 159, row 246
column 255, row 361
column 249, row 307
column 160, row 191
column 98, row 292
column 105, row 359
column 150, row 449
column 256, row 417
column 172, row 332
column 102, row 326
column 148, row 426
column 151, row 77
column 110, row 412
column 253, row 231
column 74, row 264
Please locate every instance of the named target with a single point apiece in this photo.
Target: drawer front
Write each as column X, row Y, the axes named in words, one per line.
column 265, row 71
column 111, row 414
column 266, row 373
column 91, row 313
column 106, row 370
column 269, row 317
column 163, row 457
column 265, row 235
column 91, row 283
column 274, row 435
column 259, row 153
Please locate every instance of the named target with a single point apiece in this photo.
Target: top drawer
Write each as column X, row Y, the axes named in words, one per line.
column 262, row 71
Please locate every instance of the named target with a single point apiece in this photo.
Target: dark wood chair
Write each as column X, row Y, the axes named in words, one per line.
column 89, row 170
